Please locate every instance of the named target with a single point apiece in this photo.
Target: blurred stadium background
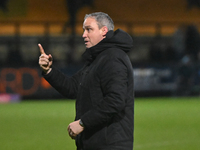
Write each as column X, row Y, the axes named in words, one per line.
column 165, row 58
column 165, row 55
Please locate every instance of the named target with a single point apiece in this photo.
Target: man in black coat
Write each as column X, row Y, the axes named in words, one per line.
column 103, row 88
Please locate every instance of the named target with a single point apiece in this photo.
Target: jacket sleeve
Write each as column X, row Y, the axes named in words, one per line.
column 67, row 86
column 113, row 80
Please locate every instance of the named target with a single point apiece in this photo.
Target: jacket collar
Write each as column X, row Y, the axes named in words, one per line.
column 118, row 39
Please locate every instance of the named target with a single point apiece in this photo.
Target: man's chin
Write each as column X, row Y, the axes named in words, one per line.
column 88, row 46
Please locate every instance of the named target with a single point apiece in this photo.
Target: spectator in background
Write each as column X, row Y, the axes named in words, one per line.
column 192, row 42
column 103, row 88
column 186, row 74
column 178, row 42
column 73, row 6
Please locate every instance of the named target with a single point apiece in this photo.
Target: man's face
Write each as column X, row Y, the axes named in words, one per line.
column 92, row 34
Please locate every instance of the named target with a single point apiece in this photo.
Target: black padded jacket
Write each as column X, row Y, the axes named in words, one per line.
column 104, row 94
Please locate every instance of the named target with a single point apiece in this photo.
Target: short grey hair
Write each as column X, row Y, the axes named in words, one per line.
column 102, row 19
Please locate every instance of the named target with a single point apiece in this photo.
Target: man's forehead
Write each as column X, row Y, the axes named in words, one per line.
column 89, row 22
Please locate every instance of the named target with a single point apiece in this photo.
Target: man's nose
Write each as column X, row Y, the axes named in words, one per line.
column 84, row 34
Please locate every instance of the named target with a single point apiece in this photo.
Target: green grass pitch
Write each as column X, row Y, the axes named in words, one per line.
column 160, row 124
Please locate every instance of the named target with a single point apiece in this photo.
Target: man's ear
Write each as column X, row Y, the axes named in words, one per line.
column 104, row 30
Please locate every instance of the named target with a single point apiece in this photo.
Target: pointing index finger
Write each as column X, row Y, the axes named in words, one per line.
column 41, row 49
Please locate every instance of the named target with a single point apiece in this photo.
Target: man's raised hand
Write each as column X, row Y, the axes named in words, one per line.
column 45, row 61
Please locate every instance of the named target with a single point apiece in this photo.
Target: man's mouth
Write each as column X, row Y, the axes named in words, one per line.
column 86, row 42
